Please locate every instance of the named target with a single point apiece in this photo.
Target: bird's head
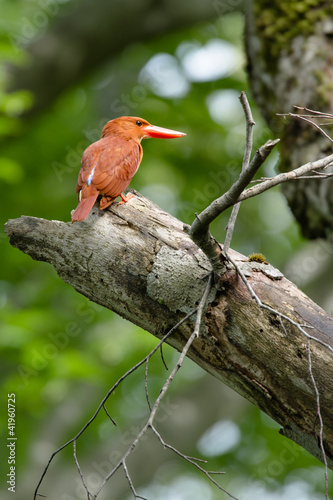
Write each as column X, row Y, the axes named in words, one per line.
column 133, row 127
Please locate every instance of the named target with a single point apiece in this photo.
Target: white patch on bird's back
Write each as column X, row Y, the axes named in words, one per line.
column 91, row 175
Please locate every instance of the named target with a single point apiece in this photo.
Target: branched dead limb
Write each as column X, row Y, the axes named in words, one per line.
column 106, row 397
column 246, row 161
column 286, row 176
column 314, row 114
column 193, row 461
column 199, row 230
column 316, row 175
column 153, row 410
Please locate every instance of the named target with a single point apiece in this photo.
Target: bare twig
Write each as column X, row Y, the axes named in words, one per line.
column 108, row 414
column 199, row 230
column 150, row 422
column 316, row 175
column 106, row 397
column 153, row 410
column 249, row 130
column 246, row 161
column 130, row 482
column 193, row 461
column 305, row 118
column 318, row 113
column 314, row 114
column 162, row 357
column 80, row 471
column 146, row 384
column 286, row 176
column 321, row 428
column 309, row 337
column 254, row 296
column 202, row 306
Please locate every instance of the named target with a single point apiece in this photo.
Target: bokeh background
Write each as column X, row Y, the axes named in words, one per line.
column 66, row 68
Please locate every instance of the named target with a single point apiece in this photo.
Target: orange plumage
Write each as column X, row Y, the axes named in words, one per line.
column 109, row 164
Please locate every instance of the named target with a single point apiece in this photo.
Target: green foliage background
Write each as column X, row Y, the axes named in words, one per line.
column 60, row 353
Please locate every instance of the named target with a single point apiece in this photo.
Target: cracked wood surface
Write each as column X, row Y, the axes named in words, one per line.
column 137, row 260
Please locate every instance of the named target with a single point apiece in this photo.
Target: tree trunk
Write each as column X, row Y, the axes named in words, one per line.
column 137, row 260
column 290, row 52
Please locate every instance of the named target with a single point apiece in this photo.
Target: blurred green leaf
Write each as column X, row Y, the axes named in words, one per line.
column 10, row 171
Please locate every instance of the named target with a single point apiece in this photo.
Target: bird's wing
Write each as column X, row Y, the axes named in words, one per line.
column 110, row 166
column 116, row 168
column 90, row 158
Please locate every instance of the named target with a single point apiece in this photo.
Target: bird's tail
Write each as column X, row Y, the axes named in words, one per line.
column 85, row 205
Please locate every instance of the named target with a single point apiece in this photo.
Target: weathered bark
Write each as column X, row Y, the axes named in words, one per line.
column 137, row 260
column 290, row 52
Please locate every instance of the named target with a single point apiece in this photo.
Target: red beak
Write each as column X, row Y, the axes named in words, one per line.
column 161, row 133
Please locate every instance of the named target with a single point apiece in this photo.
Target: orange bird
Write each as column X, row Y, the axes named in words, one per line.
column 109, row 164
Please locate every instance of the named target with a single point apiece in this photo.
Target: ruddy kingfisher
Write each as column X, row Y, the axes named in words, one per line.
column 109, row 164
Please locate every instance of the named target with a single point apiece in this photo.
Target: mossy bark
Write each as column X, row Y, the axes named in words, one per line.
column 290, row 62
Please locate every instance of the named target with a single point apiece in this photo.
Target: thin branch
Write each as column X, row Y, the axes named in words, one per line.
column 254, row 296
column 199, row 230
column 246, row 161
column 153, row 410
column 318, row 113
column 150, row 422
column 321, row 429
column 249, row 130
column 300, row 327
column 146, row 384
column 316, row 175
column 162, row 357
column 130, row 482
column 80, row 471
column 202, row 306
column 108, row 414
column 306, row 119
column 106, row 397
column 192, row 461
column 286, row 176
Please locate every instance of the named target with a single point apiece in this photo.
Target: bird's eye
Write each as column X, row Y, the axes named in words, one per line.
column 138, row 123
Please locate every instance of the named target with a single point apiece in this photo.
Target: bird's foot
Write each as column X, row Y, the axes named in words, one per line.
column 125, row 199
